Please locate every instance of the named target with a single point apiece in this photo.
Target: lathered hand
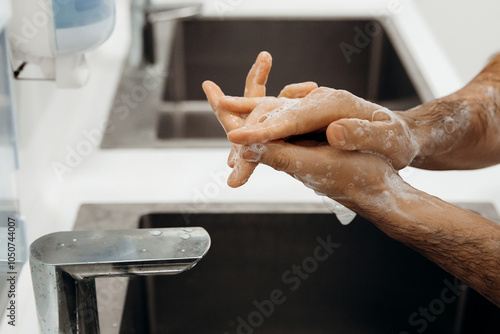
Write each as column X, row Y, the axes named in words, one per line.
column 351, row 123
column 458, row 131
column 230, row 120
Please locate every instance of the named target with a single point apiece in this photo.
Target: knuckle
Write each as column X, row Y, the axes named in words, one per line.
column 340, row 93
column 224, row 103
column 311, row 84
column 280, row 161
column 323, row 91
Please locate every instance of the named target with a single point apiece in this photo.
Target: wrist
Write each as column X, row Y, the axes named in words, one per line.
column 388, row 204
column 419, row 130
column 375, row 200
column 439, row 128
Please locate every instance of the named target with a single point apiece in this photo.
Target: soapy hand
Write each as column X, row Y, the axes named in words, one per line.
column 255, row 87
column 351, row 123
column 339, row 174
column 348, row 177
column 458, row 131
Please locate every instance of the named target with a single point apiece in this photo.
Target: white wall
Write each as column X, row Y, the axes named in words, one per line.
column 51, row 119
column 468, row 30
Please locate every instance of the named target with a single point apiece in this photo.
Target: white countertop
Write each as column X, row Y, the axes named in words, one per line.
column 52, row 121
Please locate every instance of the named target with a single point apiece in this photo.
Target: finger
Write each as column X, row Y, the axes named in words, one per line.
column 305, row 142
column 380, row 137
column 272, row 121
column 356, row 134
column 259, row 134
column 315, row 111
column 298, row 90
column 255, row 87
column 284, row 156
column 246, row 105
column 292, row 117
column 244, row 167
column 241, row 105
column 227, row 119
column 257, row 77
column 241, row 173
column 213, row 93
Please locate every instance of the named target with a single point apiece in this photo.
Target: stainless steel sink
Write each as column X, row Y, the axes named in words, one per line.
column 199, row 49
column 288, row 268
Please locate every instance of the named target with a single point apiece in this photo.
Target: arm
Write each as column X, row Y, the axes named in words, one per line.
column 459, row 241
column 462, row 130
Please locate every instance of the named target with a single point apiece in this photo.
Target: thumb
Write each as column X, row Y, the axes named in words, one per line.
column 380, row 137
column 358, row 134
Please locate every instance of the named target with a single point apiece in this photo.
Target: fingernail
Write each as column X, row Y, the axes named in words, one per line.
column 339, row 133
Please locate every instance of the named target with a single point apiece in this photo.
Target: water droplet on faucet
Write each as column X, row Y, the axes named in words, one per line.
column 188, row 229
column 185, row 236
column 155, row 232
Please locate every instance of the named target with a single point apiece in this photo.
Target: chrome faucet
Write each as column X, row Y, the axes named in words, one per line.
column 64, row 266
column 155, row 28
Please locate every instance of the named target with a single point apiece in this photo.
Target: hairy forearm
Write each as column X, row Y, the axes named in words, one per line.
column 461, row 242
column 462, row 130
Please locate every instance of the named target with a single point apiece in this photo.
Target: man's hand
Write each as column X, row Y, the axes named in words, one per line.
column 255, row 87
column 351, row 123
column 459, row 131
column 353, row 178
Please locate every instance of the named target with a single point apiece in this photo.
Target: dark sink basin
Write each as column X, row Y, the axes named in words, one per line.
column 302, row 50
column 301, row 273
column 190, row 124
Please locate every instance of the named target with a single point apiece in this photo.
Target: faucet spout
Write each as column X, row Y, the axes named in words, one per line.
column 152, row 26
column 64, row 266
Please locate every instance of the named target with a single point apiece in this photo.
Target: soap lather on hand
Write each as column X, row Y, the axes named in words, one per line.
column 232, row 118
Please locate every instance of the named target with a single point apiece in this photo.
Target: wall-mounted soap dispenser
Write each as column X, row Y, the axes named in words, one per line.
column 49, row 38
